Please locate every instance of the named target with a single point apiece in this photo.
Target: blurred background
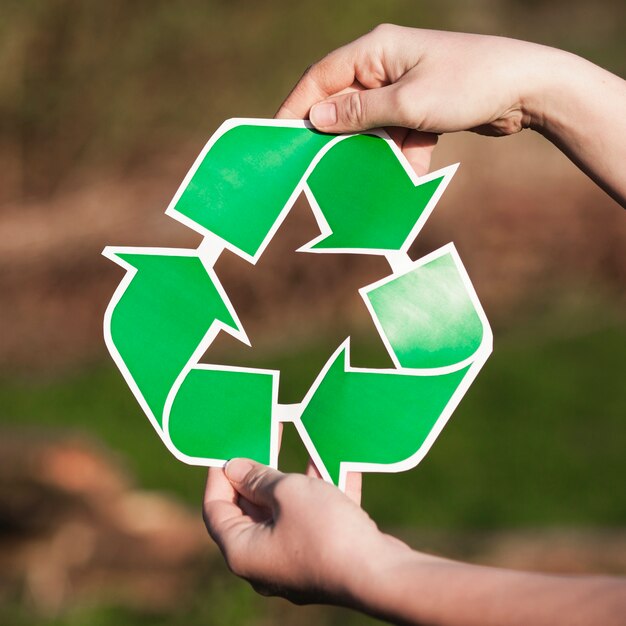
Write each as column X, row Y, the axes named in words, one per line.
column 103, row 108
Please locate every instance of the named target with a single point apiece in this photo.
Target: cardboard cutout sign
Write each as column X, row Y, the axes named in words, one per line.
column 366, row 199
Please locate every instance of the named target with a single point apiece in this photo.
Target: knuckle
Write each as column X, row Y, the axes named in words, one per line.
column 384, row 30
column 316, row 70
column 234, row 561
column 256, row 479
column 307, row 77
column 353, row 109
column 320, row 74
column 403, row 107
column 287, row 487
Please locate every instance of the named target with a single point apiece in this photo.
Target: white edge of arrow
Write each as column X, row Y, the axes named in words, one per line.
column 207, row 256
column 326, row 231
column 476, row 362
column 223, row 129
column 447, row 173
column 212, row 246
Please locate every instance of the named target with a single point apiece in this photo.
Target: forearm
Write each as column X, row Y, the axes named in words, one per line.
column 412, row 588
column 438, row 82
column 581, row 108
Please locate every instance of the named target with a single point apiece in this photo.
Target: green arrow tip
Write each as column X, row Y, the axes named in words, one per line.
column 366, row 196
column 373, row 417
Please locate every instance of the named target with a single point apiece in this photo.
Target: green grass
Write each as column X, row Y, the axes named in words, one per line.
column 538, row 440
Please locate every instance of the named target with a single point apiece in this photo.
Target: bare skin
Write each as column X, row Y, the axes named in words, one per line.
column 298, row 537
column 437, row 82
column 301, row 538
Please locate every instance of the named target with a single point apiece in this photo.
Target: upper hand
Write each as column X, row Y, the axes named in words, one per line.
column 431, row 81
column 421, row 83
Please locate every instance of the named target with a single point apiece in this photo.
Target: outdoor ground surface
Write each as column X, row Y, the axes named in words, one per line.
column 103, row 108
column 538, row 439
column 537, row 443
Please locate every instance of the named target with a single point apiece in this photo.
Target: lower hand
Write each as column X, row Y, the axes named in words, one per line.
column 293, row 535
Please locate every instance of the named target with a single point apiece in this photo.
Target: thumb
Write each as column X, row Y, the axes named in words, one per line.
column 254, row 481
column 357, row 110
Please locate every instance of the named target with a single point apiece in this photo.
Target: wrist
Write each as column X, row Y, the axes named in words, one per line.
column 553, row 89
column 577, row 106
column 375, row 584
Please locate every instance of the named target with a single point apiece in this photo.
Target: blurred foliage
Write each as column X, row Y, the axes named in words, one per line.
column 222, row 599
column 85, row 84
column 538, row 440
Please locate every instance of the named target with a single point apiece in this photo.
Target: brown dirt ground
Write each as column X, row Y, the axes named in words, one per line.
column 527, row 224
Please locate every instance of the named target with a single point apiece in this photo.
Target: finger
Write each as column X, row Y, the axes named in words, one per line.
column 311, row 469
column 334, row 72
column 221, row 513
column 354, row 482
column 235, row 530
column 218, row 487
column 258, row 514
column 358, row 110
column 254, row 481
column 397, row 133
column 418, row 148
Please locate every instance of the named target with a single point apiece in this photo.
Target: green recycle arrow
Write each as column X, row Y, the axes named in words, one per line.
column 361, row 182
column 170, row 305
column 363, row 193
column 164, row 317
column 364, row 419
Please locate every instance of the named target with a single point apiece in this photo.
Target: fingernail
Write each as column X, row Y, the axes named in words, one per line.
column 323, row 114
column 237, row 469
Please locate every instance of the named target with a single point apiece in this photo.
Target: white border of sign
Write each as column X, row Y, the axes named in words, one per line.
column 212, row 247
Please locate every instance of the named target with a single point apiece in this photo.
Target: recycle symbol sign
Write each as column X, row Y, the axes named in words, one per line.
column 366, row 199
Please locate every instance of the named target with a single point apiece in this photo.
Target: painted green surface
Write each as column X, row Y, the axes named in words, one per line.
column 212, row 416
column 238, row 192
column 428, row 316
column 366, row 195
column 373, row 417
column 245, row 180
column 528, row 427
column 161, row 318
